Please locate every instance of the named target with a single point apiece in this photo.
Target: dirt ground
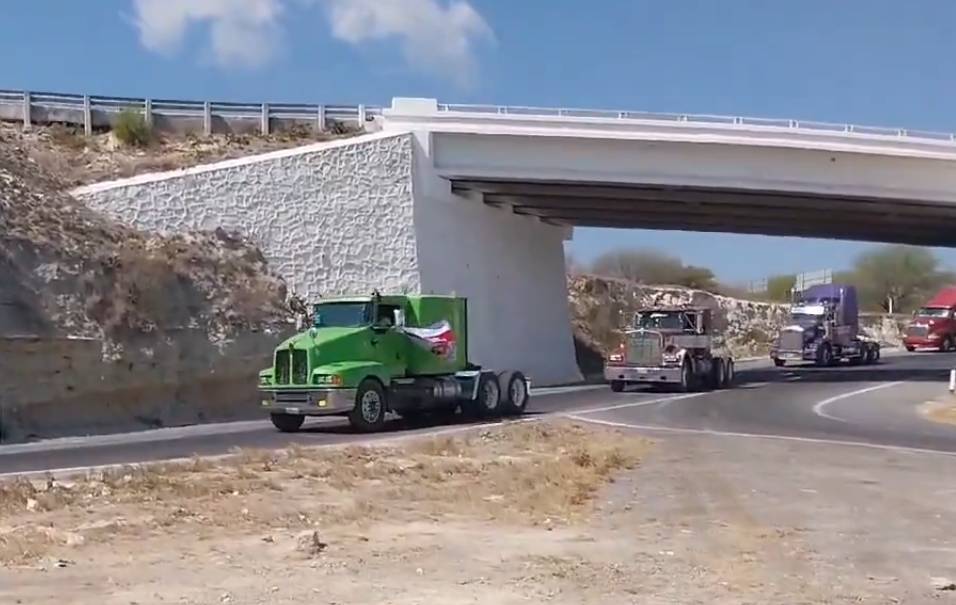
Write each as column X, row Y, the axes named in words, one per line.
column 79, row 160
column 942, row 410
column 560, row 513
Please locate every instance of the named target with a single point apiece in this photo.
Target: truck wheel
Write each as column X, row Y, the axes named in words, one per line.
column 687, row 379
column 288, row 423
column 488, row 401
column 825, row 356
column 618, row 386
column 717, row 374
column 779, row 362
column 946, row 345
column 368, row 415
column 729, row 373
column 910, row 348
column 515, row 396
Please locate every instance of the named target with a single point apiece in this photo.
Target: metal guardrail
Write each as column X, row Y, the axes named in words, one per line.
column 800, row 125
column 92, row 111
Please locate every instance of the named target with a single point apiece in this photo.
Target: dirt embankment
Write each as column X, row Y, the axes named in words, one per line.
column 70, row 276
column 79, row 160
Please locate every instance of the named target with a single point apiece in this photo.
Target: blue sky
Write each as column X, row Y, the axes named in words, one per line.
column 882, row 62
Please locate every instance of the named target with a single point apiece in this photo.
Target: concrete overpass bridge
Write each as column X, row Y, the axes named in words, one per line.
column 479, row 201
column 693, row 173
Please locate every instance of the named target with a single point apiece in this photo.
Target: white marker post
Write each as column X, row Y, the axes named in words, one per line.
column 952, row 381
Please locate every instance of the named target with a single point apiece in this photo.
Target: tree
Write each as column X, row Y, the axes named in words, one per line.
column 780, row 286
column 652, row 267
column 897, row 278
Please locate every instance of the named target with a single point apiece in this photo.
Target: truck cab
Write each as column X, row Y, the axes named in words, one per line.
column 824, row 329
column 670, row 347
column 365, row 356
column 934, row 325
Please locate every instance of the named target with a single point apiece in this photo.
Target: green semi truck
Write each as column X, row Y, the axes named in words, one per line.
column 366, row 356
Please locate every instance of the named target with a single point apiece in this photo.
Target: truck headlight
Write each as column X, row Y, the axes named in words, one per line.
column 671, row 357
column 332, row 380
column 617, row 357
column 264, row 380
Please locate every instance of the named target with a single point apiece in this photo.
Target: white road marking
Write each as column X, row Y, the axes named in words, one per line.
column 818, row 408
column 713, row 433
column 753, row 385
column 633, row 404
column 535, row 391
column 793, row 378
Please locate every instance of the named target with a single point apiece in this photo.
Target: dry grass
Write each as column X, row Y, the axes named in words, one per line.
column 78, row 159
column 940, row 410
column 537, row 473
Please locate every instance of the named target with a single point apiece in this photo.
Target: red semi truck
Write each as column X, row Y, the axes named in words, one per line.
column 934, row 326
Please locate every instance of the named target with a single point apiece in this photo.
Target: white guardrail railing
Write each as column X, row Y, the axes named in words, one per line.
column 92, row 111
column 802, row 125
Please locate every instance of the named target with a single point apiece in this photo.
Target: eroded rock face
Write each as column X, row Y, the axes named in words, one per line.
column 70, row 275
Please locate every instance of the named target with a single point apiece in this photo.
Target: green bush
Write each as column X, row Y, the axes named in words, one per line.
column 132, row 129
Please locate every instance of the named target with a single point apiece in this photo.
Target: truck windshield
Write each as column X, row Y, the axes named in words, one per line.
column 342, row 314
column 933, row 312
column 663, row 320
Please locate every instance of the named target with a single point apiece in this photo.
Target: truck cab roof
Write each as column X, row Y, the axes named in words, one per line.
column 944, row 299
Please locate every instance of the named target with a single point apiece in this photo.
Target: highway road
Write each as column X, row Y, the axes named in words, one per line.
column 873, row 406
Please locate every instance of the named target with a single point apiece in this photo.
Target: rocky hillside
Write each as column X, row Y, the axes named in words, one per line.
column 598, row 306
column 67, row 272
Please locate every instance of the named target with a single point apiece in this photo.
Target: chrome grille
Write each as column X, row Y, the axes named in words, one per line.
column 791, row 341
column 300, row 366
column 918, row 331
column 644, row 349
column 282, row 367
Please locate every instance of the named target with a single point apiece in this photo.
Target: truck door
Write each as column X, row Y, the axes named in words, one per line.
column 387, row 341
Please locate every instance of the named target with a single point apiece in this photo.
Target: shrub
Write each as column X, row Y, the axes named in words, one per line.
column 132, row 129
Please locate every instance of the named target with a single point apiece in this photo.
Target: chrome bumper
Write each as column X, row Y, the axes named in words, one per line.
column 642, row 374
column 308, row 402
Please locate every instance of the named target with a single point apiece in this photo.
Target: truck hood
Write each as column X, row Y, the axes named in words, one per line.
column 316, row 337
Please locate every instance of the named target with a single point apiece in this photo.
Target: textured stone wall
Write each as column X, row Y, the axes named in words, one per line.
column 331, row 218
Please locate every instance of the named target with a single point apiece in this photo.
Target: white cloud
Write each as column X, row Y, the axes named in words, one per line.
column 434, row 38
column 437, row 37
column 241, row 32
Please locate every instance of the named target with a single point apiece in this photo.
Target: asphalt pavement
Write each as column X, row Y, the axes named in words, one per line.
column 872, row 405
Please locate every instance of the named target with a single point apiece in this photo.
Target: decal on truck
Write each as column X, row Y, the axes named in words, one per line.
column 439, row 338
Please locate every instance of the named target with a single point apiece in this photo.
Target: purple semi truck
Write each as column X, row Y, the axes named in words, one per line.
column 825, row 329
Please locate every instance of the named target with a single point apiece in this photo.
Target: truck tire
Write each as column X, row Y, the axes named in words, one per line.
column 825, row 356
column 687, row 379
column 371, row 403
column 618, row 386
column 716, row 378
column 487, row 403
column 287, row 423
column 514, row 397
column 779, row 362
column 947, row 345
column 730, row 373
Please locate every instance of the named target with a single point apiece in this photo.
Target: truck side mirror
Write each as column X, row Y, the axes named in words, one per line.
column 399, row 318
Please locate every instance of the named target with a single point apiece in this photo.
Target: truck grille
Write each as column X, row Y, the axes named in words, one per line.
column 791, row 341
column 918, row 331
column 292, row 367
column 300, row 367
column 282, row 367
column 644, row 349
column 292, row 397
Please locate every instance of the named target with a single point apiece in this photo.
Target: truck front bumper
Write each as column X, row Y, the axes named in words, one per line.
column 933, row 340
column 308, row 402
column 642, row 374
column 793, row 355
